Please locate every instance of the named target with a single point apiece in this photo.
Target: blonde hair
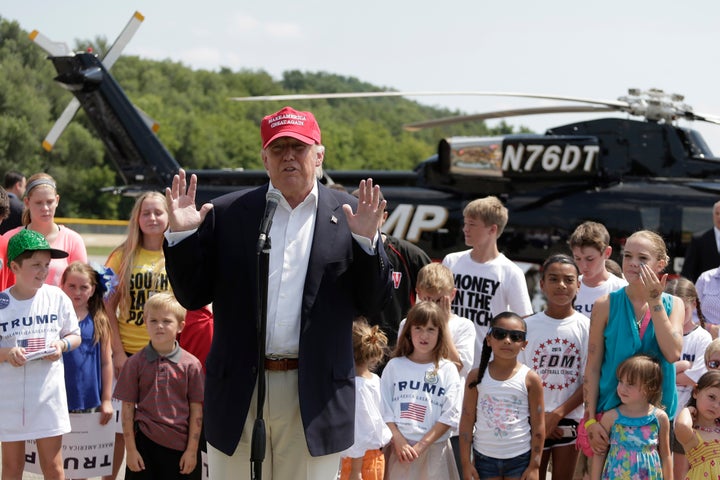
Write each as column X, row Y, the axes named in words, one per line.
column 435, row 279
column 129, row 249
column 712, row 348
column 165, row 302
column 490, row 210
column 645, row 372
column 48, row 182
column 420, row 315
column 658, row 248
column 369, row 343
column 96, row 306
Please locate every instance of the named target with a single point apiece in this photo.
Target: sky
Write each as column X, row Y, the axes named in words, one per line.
column 561, row 47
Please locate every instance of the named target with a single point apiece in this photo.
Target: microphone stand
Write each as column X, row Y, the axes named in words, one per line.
column 257, row 448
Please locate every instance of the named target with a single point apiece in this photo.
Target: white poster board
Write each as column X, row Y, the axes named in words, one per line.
column 87, row 451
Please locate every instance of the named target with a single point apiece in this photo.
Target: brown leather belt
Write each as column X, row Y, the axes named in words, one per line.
column 281, row 364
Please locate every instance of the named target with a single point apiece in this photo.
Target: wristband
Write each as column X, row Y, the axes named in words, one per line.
column 67, row 344
column 592, row 421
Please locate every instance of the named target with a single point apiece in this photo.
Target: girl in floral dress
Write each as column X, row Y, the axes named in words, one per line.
column 639, row 431
column 700, row 437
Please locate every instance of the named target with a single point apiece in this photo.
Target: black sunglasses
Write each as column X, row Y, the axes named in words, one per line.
column 501, row 333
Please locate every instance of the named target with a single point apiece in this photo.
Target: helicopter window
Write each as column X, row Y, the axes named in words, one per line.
column 650, row 218
column 694, row 219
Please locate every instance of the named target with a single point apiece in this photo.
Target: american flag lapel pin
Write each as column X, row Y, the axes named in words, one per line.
column 333, row 219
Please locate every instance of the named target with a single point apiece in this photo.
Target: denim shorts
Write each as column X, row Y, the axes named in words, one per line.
column 489, row 467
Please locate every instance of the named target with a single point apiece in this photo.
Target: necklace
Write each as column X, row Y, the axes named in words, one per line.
column 707, row 429
column 639, row 319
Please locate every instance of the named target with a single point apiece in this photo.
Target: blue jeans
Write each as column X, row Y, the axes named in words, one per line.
column 489, row 467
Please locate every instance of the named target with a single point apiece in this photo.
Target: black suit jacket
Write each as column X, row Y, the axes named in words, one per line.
column 218, row 264
column 702, row 255
column 14, row 218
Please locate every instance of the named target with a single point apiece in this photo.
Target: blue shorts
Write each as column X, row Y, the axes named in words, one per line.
column 489, row 467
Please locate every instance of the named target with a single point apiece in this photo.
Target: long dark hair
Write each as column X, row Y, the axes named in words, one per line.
column 487, row 350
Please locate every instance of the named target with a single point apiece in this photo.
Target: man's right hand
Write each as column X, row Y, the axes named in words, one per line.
column 182, row 213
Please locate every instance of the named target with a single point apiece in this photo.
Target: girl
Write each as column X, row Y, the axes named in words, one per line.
column 140, row 266
column 421, row 398
column 365, row 460
column 639, row 431
column 41, row 201
column 701, row 437
column 637, row 318
column 501, row 395
column 557, row 341
column 88, row 369
column 691, row 365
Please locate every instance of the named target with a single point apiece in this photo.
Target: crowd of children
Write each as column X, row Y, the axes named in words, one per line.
column 478, row 385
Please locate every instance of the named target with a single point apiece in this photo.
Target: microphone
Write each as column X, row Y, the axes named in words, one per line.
column 273, row 198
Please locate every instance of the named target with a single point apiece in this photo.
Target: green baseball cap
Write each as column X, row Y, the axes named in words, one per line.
column 30, row 240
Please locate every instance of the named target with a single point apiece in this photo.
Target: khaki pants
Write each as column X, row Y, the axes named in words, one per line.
column 286, row 453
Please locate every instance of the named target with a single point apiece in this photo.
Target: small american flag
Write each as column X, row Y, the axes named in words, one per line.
column 412, row 411
column 32, row 344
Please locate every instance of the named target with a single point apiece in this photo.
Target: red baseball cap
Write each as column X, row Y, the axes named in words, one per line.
column 289, row 122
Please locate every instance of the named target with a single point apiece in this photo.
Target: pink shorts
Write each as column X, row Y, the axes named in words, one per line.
column 583, row 441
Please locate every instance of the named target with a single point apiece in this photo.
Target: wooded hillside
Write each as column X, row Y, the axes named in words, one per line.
column 198, row 124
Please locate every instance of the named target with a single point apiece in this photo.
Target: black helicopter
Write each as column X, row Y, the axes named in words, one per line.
column 626, row 173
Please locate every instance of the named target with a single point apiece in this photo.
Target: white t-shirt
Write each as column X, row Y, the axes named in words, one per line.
column 586, row 296
column 462, row 332
column 693, row 350
column 557, row 352
column 34, row 402
column 371, row 432
column 486, row 289
column 502, row 422
column 416, row 396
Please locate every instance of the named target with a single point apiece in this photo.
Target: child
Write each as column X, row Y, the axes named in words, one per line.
column 590, row 246
column 38, row 324
column 487, row 281
column 421, row 398
column 365, row 460
column 161, row 388
column 500, row 397
column 639, row 431
column 435, row 284
column 700, row 436
column 691, row 365
column 557, row 351
column 88, row 369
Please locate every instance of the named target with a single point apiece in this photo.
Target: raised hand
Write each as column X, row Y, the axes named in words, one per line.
column 182, row 213
column 368, row 218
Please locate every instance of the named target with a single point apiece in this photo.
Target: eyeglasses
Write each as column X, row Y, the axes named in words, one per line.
column 501, row 334
column 713, row 364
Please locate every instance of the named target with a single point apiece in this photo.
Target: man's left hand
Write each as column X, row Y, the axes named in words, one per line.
column 368, row 218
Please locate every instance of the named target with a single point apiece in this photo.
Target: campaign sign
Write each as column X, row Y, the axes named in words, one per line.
column 87, row 451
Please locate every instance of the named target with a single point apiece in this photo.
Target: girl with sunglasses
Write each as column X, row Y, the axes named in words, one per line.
column 501, row 395
column 557, row 351
column 421, row 398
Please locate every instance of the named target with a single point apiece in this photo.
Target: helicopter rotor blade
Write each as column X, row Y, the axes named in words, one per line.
column 413, row 127
column 316, row 96
column 59, row 49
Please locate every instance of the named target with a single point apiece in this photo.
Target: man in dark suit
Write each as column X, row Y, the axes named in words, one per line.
column 15, row 186
column 704, row 250
column 326, row 266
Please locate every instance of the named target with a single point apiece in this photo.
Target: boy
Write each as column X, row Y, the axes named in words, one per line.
column 487, row 282
column 37, row 324
column 161, row 389
column 590, row 245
